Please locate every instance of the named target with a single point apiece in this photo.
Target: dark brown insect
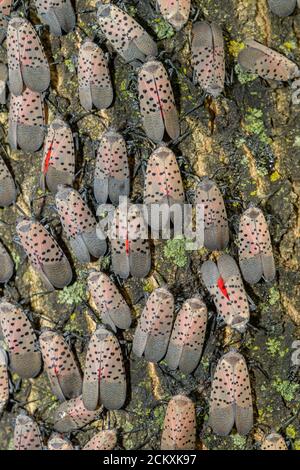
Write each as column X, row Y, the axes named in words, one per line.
column 57, row 14
column 61, row 367
column 8, row 191
column 187, row 338
column 127, row 37
column 24, row 356
column 103, row 440
column 231, row 400
column 104, row 379
column 27, row 435
column 179, row 431
column 154, row 328
column 6, row 265
column 208, row 57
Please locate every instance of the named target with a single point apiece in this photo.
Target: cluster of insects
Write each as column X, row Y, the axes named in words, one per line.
column 158, row 335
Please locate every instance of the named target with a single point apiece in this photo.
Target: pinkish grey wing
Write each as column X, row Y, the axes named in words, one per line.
column 103, row 440
column 27, row 435
column 179, row 431
column 3, row 80
column 255, row 250
column 104, row 375
column 111, row 177
column 274, row 441
column 6, row 265
column 208, row 57
column 58, row 442
column 267, row 63
column 26, row 121
column 24, row 356
column 72, row 415
column 61, row 367
column 176, row 12
column 8, row 191
column 58, row 164
column 109, row 301
column 4, row 384
column 5, row 9
column 57, row 14
column 154, row 328
column 187, row 338
column 44, row 254
column 127, row 37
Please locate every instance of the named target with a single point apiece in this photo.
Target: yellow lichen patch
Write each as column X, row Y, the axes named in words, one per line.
column 156, row 387
column 275, row 176
column 235, row 47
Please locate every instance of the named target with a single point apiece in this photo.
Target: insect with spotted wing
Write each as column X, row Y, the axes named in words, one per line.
column 274, row 441
column 176, row 12
column 111, row 176
column 57, row 14
column 267, row 63
column 103, row 440
column 44, row 254
column 27, row 63
column 187, row 338
column 208, row 58
column 58, row 442
column 163, row 186
column 8, row 191
column 3, row 81
column 6, row 265
column 104, row 379
column 282, row 7
column 24, row 356
column 109, row 301
column 255, row 250
column 157, row 103
column 26, row 121
column 154, row 328
column 95, row 87
column 27, row 435
column 231, row 400
column 72, row 415
column 127, row 37
column 60, row 364
column 215, row 223
column 224, row 283
column 129, row 242
column 58, row 164
column 5, row 9
column 179, row 431
column 4, row 384
column 79, row 224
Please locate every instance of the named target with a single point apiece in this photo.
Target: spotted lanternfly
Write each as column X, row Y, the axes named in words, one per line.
column 129, row 243
column 179, row 431
column 95, row 86
column 44, row 254
column 5, row 9
column 27, row 435
column 255, row 250
column 103, row 440
column 3, row 80
column 111, row 177
column 163, row 183
column 57, row 14
column 208, row 57
column 187, row 338
column 215, row 223
column 274, row 441
column 176, row 12
column 24, row 356
column 72, row 415
column 79, row 224
column 4, row 386
column 154, row 328
column 127, row 37
column 8, row 192
column 27, row 63
column 267, row 63
column 231, row 400
column 109, row 301
column 104, row 379
column 58, row 442
column 6, row 265
column 224, row 283
column 282, row 7
column 58, row 165
column 26, row 121
column 61, row 367
column 157, row 103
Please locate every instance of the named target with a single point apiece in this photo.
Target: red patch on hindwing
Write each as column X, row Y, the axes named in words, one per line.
column 221, row 286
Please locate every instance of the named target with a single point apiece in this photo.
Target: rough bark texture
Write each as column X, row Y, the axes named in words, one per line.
column 248, row 140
